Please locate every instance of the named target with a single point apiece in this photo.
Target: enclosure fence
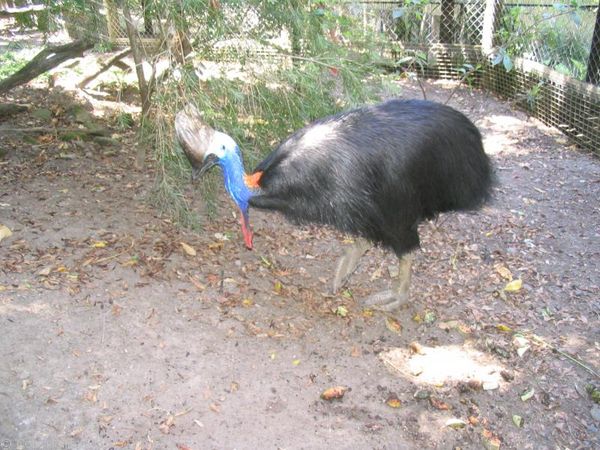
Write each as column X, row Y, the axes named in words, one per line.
column 544, row 55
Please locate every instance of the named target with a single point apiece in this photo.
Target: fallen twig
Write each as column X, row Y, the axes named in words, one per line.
column 541, row 341
column 105, row 67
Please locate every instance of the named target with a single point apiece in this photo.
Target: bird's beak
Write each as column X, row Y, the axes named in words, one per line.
column 209, row 162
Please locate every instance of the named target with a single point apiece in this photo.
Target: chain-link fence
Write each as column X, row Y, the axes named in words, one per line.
column 543, row 54
column 558, row 35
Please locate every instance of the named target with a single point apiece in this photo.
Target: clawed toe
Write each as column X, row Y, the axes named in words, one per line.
column 348, row 262
column 397, row 296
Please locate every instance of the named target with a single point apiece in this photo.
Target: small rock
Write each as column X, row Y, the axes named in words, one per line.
column 490, row 385
column 456, row 424
column 422, row 395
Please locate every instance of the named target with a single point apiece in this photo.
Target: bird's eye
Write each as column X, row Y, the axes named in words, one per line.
column 223, row 147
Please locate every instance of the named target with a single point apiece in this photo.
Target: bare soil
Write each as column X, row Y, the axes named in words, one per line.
column 112, row 335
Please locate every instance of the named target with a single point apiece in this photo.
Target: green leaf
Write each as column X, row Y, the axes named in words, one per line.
column 518, row 421
column 508, row 64
column 498, row 58
column 397, row 13
column 527, row 394
column 341, row 311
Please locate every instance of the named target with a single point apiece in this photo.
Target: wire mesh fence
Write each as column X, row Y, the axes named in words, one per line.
column 543, row 54
column 558, row 35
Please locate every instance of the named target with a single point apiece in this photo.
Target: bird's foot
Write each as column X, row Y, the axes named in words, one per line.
column 387, row 300
column 347, row 263
column 394, row 298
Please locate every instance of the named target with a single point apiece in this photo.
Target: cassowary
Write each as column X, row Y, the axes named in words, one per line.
column 374, row 172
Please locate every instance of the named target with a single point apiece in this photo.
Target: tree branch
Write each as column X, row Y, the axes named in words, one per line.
column 44, row 61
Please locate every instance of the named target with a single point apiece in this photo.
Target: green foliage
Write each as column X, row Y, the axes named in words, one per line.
column 558, row 37
column 409, row 18
column 124, row 120
column 10, row 62
column 274, row 67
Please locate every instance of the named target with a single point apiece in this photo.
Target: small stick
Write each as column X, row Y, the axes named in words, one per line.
column 566, row 355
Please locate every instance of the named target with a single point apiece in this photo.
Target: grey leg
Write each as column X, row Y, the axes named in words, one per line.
column 391, row 299
column 348, row 262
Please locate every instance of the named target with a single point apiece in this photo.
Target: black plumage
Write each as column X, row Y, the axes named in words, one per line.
column 378, row 171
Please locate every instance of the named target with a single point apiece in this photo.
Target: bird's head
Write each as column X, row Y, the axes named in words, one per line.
column 205, row 148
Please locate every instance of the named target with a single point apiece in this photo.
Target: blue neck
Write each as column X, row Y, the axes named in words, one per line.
column 233, row 174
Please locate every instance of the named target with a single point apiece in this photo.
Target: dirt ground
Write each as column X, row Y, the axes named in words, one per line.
column 114, row 336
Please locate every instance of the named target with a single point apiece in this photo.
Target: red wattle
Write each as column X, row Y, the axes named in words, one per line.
column 246, row 231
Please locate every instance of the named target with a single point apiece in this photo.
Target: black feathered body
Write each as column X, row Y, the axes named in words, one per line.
column 378, row 171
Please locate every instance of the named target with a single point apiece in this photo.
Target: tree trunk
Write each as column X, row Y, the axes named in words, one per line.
column 45, row 60
column 10, row 109
column 138, row 59
column 10, row 12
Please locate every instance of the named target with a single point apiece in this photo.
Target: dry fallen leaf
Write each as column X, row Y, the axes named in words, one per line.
column 167, row 424
column 99, row 244
column 45, row 271
column 367, row 313
column 76, row 432
column 4, row 232
column 341, row 311
column 503, row 272
column 393, row 325
column 518, row 421
column 278, row 287
column 527, row 394
column 393, row 401
column 334, row 393
column 503, row 328
column 188, row 249
column 514, row 286
column 416, row 348
column 490, row 441
column 439, row 404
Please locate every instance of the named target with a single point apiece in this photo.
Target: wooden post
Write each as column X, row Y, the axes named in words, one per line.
column 593, row 66
column 491, row 22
